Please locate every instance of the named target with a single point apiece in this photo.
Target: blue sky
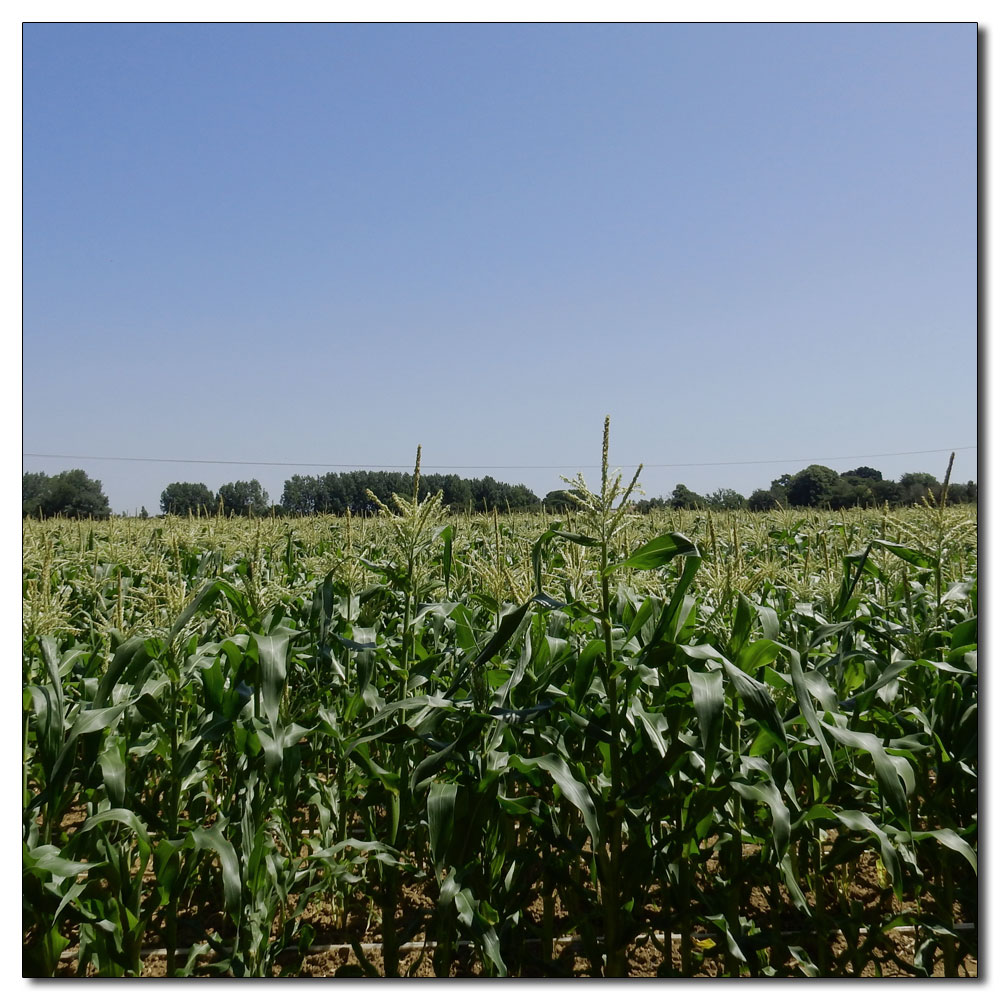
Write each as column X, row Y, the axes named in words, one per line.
column 330, row 243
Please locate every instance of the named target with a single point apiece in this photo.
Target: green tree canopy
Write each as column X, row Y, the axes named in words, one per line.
column 67, row 494
column 187, row 498
column 812, row 487
column 34, row 486
column 886, row 491
column 863, row 472
column 762, row 500
column 916, row 485
column 338, row 492
column 779, row 487
column 963, row 493
column 243, row 497
column 559, row 501
column 853, row 491
column 725, row 499
column 684, row 499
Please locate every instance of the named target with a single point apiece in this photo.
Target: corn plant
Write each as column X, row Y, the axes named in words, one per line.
column 241, row 739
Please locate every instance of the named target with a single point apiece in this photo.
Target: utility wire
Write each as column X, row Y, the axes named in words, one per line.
column 380, row 465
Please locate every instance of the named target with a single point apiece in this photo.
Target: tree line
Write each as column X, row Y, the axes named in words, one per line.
column 340, row 492
column 74, row 494
column 345, row 492
column 820, row 486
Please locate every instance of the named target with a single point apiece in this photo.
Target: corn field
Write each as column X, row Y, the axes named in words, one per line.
column 509, row 745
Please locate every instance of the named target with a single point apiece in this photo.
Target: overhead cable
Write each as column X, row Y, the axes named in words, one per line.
column 387, row 465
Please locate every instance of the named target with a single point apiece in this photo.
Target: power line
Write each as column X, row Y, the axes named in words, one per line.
column 381, row 465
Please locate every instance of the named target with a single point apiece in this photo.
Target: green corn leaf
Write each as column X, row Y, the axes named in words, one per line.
column 575, row 791
column 890, row 672
column 656, row 727
column 211, row 839
column 124, row 816
column 573, row 536
column 675, row 613
column 586, row 665
column 508, row 626
column 150, row 709
column 446, row 535
column 50, row 655
column 757, row 654
column 275, row 744
column 112, row 765
column 130, row 654
column 42, row 958
column 709, row 704
column 965, row 634
column 795, row 893
column 951, row 840
column 890, row 772
column 803, row 960
column 659, row 552
column 860, row 823
column 441, row 799
column 766, row 792
column 72, row 896
column 373, row 850
column 742, row 625
column 804, row 696
column 491, row 948
column 273, row 652
column 203, row 598
column 731, row 946
column 49, row 723
column 758, row 702
column 769, row 623
column 912, row 556
column 92, row 720
column 47, row 860
column 643, row 615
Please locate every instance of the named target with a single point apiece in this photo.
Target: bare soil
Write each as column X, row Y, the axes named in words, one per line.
column 356, row 921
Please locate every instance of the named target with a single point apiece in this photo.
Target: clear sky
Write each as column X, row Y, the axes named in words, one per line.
column 328, row 243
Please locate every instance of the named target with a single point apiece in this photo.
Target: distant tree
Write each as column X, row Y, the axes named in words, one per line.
column 863, row 472
column 243, row 498
column 559, row 501
column 75, row 494
column 187, row 498
column 653, row 503
column 521, row 498
column 812, row 487
column 298, row 496
column 853, row 491
column 886, row 491
column 725, row 499
column 144, row 514
column 914, row 486
column 779, row 487
column 457, row 491
column 337, row 494
column 956, row 493
column 487, row 494
column 684, row 499
column 762, row 500
column 67, row 494
column 34, row 489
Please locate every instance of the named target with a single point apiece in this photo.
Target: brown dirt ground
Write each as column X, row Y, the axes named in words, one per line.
column 646, row 958
column 357, row 920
